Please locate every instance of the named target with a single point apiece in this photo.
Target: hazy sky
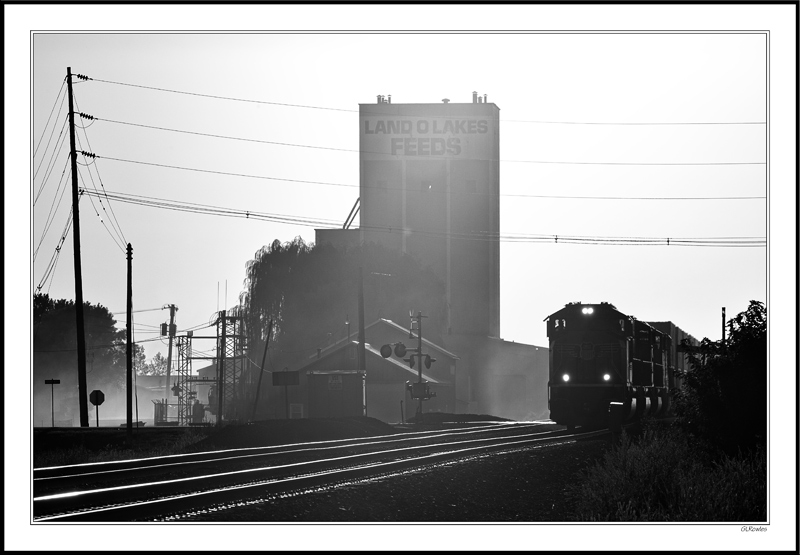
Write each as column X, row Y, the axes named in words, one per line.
column 562, row 99
column 572, row 113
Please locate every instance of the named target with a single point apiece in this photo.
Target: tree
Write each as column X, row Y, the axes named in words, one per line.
column 55, row 353
column 724, row 397
column 156, row 367
column 308, row 291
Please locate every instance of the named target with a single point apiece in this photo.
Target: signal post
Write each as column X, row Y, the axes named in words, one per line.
column 421, row 389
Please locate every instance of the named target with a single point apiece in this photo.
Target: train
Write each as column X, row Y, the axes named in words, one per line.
column 602, row 358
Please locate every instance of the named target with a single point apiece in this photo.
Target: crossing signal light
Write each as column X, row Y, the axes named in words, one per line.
column 386, row 351
column 400, row 350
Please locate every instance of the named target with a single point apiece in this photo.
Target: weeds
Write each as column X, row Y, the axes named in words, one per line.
column 80, row 453
column 662, row 478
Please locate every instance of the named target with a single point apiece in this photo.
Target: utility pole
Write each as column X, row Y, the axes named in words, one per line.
column 170, row 334
column 361, row 332
column 723, row 329
column 362, row 352
column 261, row 374
column 419, row 355
column 129, row 349
column 221, row 365
column 83, row 400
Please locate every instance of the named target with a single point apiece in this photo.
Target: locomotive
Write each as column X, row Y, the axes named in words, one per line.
column 599, row 356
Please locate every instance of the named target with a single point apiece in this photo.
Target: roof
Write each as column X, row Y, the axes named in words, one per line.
column 335, row 346
column 372, row 351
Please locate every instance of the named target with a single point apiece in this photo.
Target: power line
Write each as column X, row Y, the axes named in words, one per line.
column 63, row 83
column 51, row 214
column 486, row 236
column 260, row 141
column 635, row 122
column 102, row 222
column 55, row 150
column 401, row 116
column 220, row 97
column 51, row 265
column 270, row 178
column 114, row 221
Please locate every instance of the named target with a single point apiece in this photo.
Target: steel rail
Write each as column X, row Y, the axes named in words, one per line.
column 169, row 497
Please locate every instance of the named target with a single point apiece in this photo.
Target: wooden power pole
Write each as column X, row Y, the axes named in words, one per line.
column 129, row 347
column 83, row 400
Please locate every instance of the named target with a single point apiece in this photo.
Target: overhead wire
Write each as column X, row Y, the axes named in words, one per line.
column 46, row 125
column 51, row 215
column 114, row 221
column 51, row 265
column 296, row 145
column 354, row 186
column 51, row 167
column 102, row 222
column 173, row 205
column 55, row 150
column 218, row 97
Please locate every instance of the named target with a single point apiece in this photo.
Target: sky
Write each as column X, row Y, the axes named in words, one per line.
column 714, row 85
column 602, row 135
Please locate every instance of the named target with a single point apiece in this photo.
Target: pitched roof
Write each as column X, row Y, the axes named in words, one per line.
column 335, row 346
column 374, row 352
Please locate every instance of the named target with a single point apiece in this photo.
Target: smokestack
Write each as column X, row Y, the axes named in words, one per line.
column 474, row 97
column 485, row 97
column 379, row 99
column 390, row 99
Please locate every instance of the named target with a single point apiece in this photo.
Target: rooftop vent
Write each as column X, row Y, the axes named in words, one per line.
column 445, row 100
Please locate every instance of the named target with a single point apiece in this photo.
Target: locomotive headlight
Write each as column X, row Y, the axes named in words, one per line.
column 566, row 377
column 587, row 310
column 606, row 377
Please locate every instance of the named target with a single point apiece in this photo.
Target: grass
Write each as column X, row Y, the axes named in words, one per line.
column 663, row 477
column 104, row 444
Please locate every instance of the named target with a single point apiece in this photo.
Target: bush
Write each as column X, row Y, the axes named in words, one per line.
column 662, row 478
column 724, row 397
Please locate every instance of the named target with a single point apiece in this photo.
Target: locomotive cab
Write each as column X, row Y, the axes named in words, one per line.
column 600, row 356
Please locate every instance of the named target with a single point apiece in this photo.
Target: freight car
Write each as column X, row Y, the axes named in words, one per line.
column 599, row 356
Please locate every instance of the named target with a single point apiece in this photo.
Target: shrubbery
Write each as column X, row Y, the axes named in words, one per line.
column 662, row 477
column 711, row 466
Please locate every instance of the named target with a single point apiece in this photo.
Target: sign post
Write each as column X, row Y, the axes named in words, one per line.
column 286, row 378
column 52, row 403
column 97, row 398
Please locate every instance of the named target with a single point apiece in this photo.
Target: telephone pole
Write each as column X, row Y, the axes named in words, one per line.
column 83, row 400
column 129, row 348
column 171, row 334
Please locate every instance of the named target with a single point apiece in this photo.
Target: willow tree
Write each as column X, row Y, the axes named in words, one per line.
column 308, row 292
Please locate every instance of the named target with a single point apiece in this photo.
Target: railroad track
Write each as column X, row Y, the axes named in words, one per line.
column 164, row 488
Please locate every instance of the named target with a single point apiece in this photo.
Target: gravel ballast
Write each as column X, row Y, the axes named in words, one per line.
column 520, row 486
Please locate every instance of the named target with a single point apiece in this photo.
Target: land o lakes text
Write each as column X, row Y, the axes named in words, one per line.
column 426, row 146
